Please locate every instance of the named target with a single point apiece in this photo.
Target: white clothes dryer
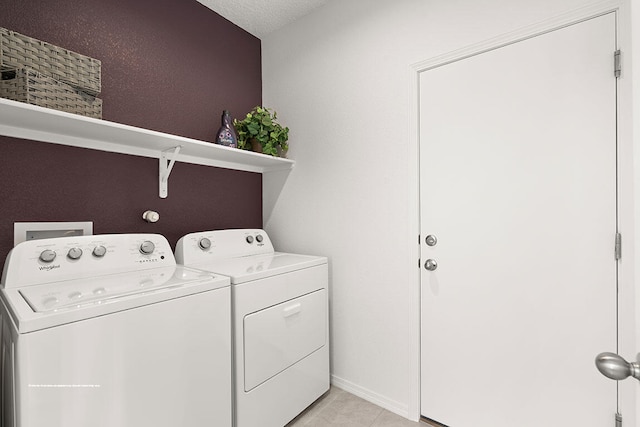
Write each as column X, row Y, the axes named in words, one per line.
column 107, row 331
column 280, row 322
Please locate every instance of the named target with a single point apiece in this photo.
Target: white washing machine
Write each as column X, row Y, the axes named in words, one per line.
column 280, row 322
column 106, row 330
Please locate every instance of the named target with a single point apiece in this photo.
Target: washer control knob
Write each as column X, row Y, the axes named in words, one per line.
column 249, row 239
column 74, row 253
column 259, row 238
column 147, row 247
column 99, row 251
column 204, row 243
column 47, row 255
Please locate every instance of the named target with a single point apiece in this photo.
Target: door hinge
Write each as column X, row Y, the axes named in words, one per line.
column 617, row 68
column 618, row 246
column 618, row 420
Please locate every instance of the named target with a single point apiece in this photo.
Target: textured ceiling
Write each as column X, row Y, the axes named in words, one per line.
column 260, row 17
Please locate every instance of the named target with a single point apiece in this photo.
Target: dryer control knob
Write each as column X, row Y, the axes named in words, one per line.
column 47, row 255
column 204, row 243
column 249, row 239
column 259, row 238
column 147, row 247
column 99, row 251
column 74, row 253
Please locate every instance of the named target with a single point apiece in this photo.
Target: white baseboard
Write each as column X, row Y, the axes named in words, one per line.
column 368, row 395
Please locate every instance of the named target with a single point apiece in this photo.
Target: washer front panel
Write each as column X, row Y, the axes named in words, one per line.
column 160, row 365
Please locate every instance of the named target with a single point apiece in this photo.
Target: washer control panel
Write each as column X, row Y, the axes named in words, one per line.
column 66, row 258
column 201, row 247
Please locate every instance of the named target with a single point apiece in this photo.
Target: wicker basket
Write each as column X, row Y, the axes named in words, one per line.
column 29, row 86
column 79, row 71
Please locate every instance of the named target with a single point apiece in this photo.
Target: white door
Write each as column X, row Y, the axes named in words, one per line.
column 518, row 185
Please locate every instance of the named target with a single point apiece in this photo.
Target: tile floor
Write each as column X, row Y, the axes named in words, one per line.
column 340, row 408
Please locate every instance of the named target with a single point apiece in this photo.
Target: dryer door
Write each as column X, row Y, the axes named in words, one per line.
column 279, row 336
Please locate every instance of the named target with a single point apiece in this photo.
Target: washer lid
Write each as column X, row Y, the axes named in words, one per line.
column 248, row 268
column 53, row 304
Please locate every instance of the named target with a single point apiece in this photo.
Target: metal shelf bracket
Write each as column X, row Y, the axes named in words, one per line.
column 169, row 156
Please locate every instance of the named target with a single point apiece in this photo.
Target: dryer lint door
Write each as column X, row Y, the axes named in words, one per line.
column 279, row 336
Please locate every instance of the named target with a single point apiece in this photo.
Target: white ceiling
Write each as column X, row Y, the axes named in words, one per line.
column 260, row 17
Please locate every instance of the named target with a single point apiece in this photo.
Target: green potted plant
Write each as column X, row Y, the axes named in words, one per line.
column 260, row 132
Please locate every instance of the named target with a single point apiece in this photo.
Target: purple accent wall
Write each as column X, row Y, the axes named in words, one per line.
column 167, row 65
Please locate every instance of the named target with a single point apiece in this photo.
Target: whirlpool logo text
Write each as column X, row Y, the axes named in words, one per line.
column 49, row 267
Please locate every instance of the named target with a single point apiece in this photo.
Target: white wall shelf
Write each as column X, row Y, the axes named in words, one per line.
column 26, row 121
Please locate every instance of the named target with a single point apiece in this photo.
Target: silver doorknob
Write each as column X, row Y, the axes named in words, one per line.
column 615, row 367
column 431, row 240
column 431, row 264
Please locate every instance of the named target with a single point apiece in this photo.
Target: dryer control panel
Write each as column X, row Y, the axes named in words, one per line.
column 196, row 248
column 65, row 258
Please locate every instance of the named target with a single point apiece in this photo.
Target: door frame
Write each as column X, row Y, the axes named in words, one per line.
column 629, row 321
